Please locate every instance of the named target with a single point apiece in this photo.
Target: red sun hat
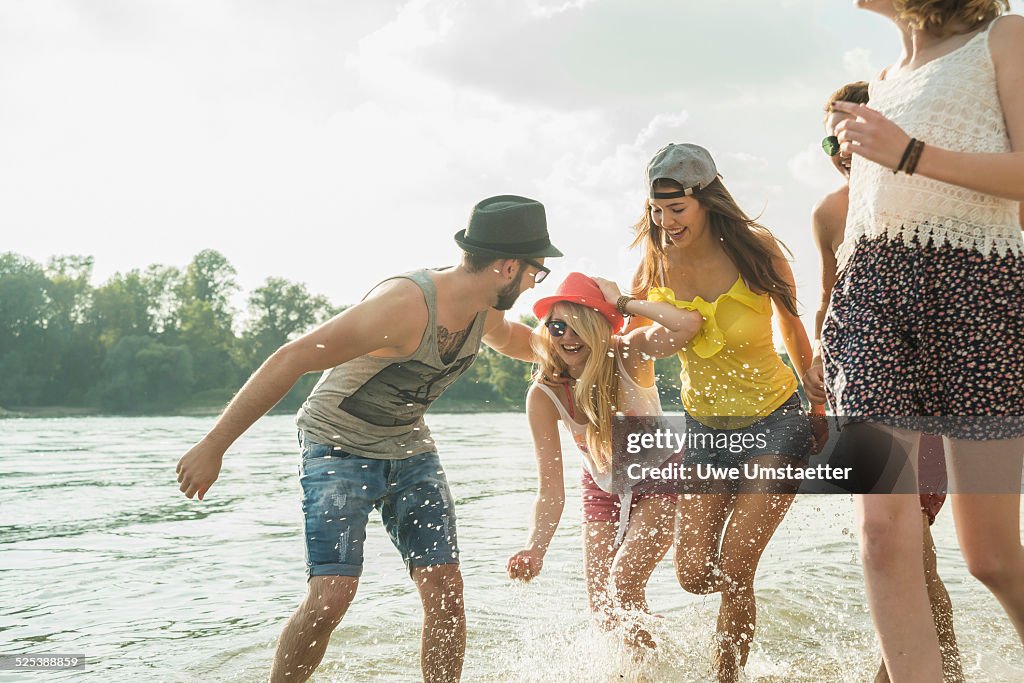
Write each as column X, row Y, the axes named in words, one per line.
column 578, row 288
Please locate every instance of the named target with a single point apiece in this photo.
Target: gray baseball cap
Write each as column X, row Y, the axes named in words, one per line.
column 689, row 165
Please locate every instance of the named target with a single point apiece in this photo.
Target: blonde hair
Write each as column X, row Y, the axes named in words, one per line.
column 943, row 18
column 597, row 388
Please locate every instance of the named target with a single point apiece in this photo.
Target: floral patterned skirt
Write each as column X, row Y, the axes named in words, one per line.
column 914, row 331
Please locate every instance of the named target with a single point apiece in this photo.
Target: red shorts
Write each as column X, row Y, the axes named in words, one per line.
column 601, row 506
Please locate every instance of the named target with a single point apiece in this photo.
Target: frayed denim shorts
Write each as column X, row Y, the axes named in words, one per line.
column 339, row 490
column 785, row 431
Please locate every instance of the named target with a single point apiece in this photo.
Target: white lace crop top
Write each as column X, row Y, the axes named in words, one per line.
column 950, row 102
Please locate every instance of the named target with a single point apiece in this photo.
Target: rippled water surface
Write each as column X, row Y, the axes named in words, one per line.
column 102, row 556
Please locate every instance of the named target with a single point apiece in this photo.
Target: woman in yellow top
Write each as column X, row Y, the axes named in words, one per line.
column 701, row 252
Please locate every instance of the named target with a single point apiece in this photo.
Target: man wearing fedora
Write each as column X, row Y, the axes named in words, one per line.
column 363, row 439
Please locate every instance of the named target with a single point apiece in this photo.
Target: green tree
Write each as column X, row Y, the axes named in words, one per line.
column 211, row 345
column 162, row 284
column 210, row 279
column 141, row 375
column 23, row 304
column 279, row 311
column 122, row 307
column 205, row 321
column 71, row 342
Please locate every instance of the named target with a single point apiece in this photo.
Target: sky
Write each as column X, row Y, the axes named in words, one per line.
column 336, row 142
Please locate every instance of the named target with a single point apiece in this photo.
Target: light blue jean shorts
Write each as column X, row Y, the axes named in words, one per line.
column 339, row 490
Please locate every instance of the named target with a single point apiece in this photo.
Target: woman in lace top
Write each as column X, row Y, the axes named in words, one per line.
column 925, row 329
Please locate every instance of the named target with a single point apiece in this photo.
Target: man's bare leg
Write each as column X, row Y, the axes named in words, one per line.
column 443, row 642
column 942, row 612
column 304, row 639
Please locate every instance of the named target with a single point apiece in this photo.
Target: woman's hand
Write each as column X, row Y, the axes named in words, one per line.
column 870, row 135
column 525, row 565
column 609, row 289
column 814, row 382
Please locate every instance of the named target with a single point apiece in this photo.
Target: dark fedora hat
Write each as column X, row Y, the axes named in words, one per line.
column 507, row 226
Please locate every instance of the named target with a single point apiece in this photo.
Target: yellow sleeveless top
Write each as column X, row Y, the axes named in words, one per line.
column 731, row 370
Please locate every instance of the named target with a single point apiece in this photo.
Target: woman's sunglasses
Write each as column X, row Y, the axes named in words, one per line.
column 556, row 328
column 831, row 145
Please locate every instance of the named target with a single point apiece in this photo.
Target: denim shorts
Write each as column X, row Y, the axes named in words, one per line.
column 340, row 489
column 784, row 431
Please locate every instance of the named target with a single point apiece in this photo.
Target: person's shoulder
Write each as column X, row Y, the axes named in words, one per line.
column 1007, row 35
column 401, row 300
column 833, row 204
column 400, row 290
column 539, row 401
column 829, row 214
column 397, row 286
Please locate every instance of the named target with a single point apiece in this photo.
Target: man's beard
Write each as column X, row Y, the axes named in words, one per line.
column 509, row 293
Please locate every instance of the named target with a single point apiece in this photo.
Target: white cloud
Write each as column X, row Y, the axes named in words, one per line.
column 812, row 168
column 859, row 65
column 545, row 9
column 281, row 134
column 660, row 125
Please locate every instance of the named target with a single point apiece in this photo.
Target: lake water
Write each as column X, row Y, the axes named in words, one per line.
column 103, row 557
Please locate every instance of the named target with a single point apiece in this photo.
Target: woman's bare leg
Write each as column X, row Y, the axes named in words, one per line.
column 988, row 524
column 700, row 522
column 891, row 552
column 598, row 554
column 942, row 615
column 650, row 533
column 755, row 517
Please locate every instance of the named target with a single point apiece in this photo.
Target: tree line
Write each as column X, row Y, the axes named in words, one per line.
column 167, row 340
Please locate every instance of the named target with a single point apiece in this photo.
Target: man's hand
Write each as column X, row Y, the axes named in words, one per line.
column 525, row 564
column 198, row 469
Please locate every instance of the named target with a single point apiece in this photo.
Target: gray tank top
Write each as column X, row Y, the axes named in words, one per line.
column 374, row 407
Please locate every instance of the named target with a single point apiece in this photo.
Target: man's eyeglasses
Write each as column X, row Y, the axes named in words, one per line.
column 831, row 145
column 541, row 273
column 556, row 328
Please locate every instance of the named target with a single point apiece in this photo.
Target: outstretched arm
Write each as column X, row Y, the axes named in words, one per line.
column 508, row 338
column 877, row 138
column 547, row 508
column 379, row 323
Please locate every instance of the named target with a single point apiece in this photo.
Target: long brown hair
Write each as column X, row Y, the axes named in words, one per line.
column 597, row 388
column 943, row 18
column 750, row 245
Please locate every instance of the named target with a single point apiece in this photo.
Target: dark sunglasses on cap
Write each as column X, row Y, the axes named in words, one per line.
column 831, row 145
column 556, row 328
column 541, row 273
